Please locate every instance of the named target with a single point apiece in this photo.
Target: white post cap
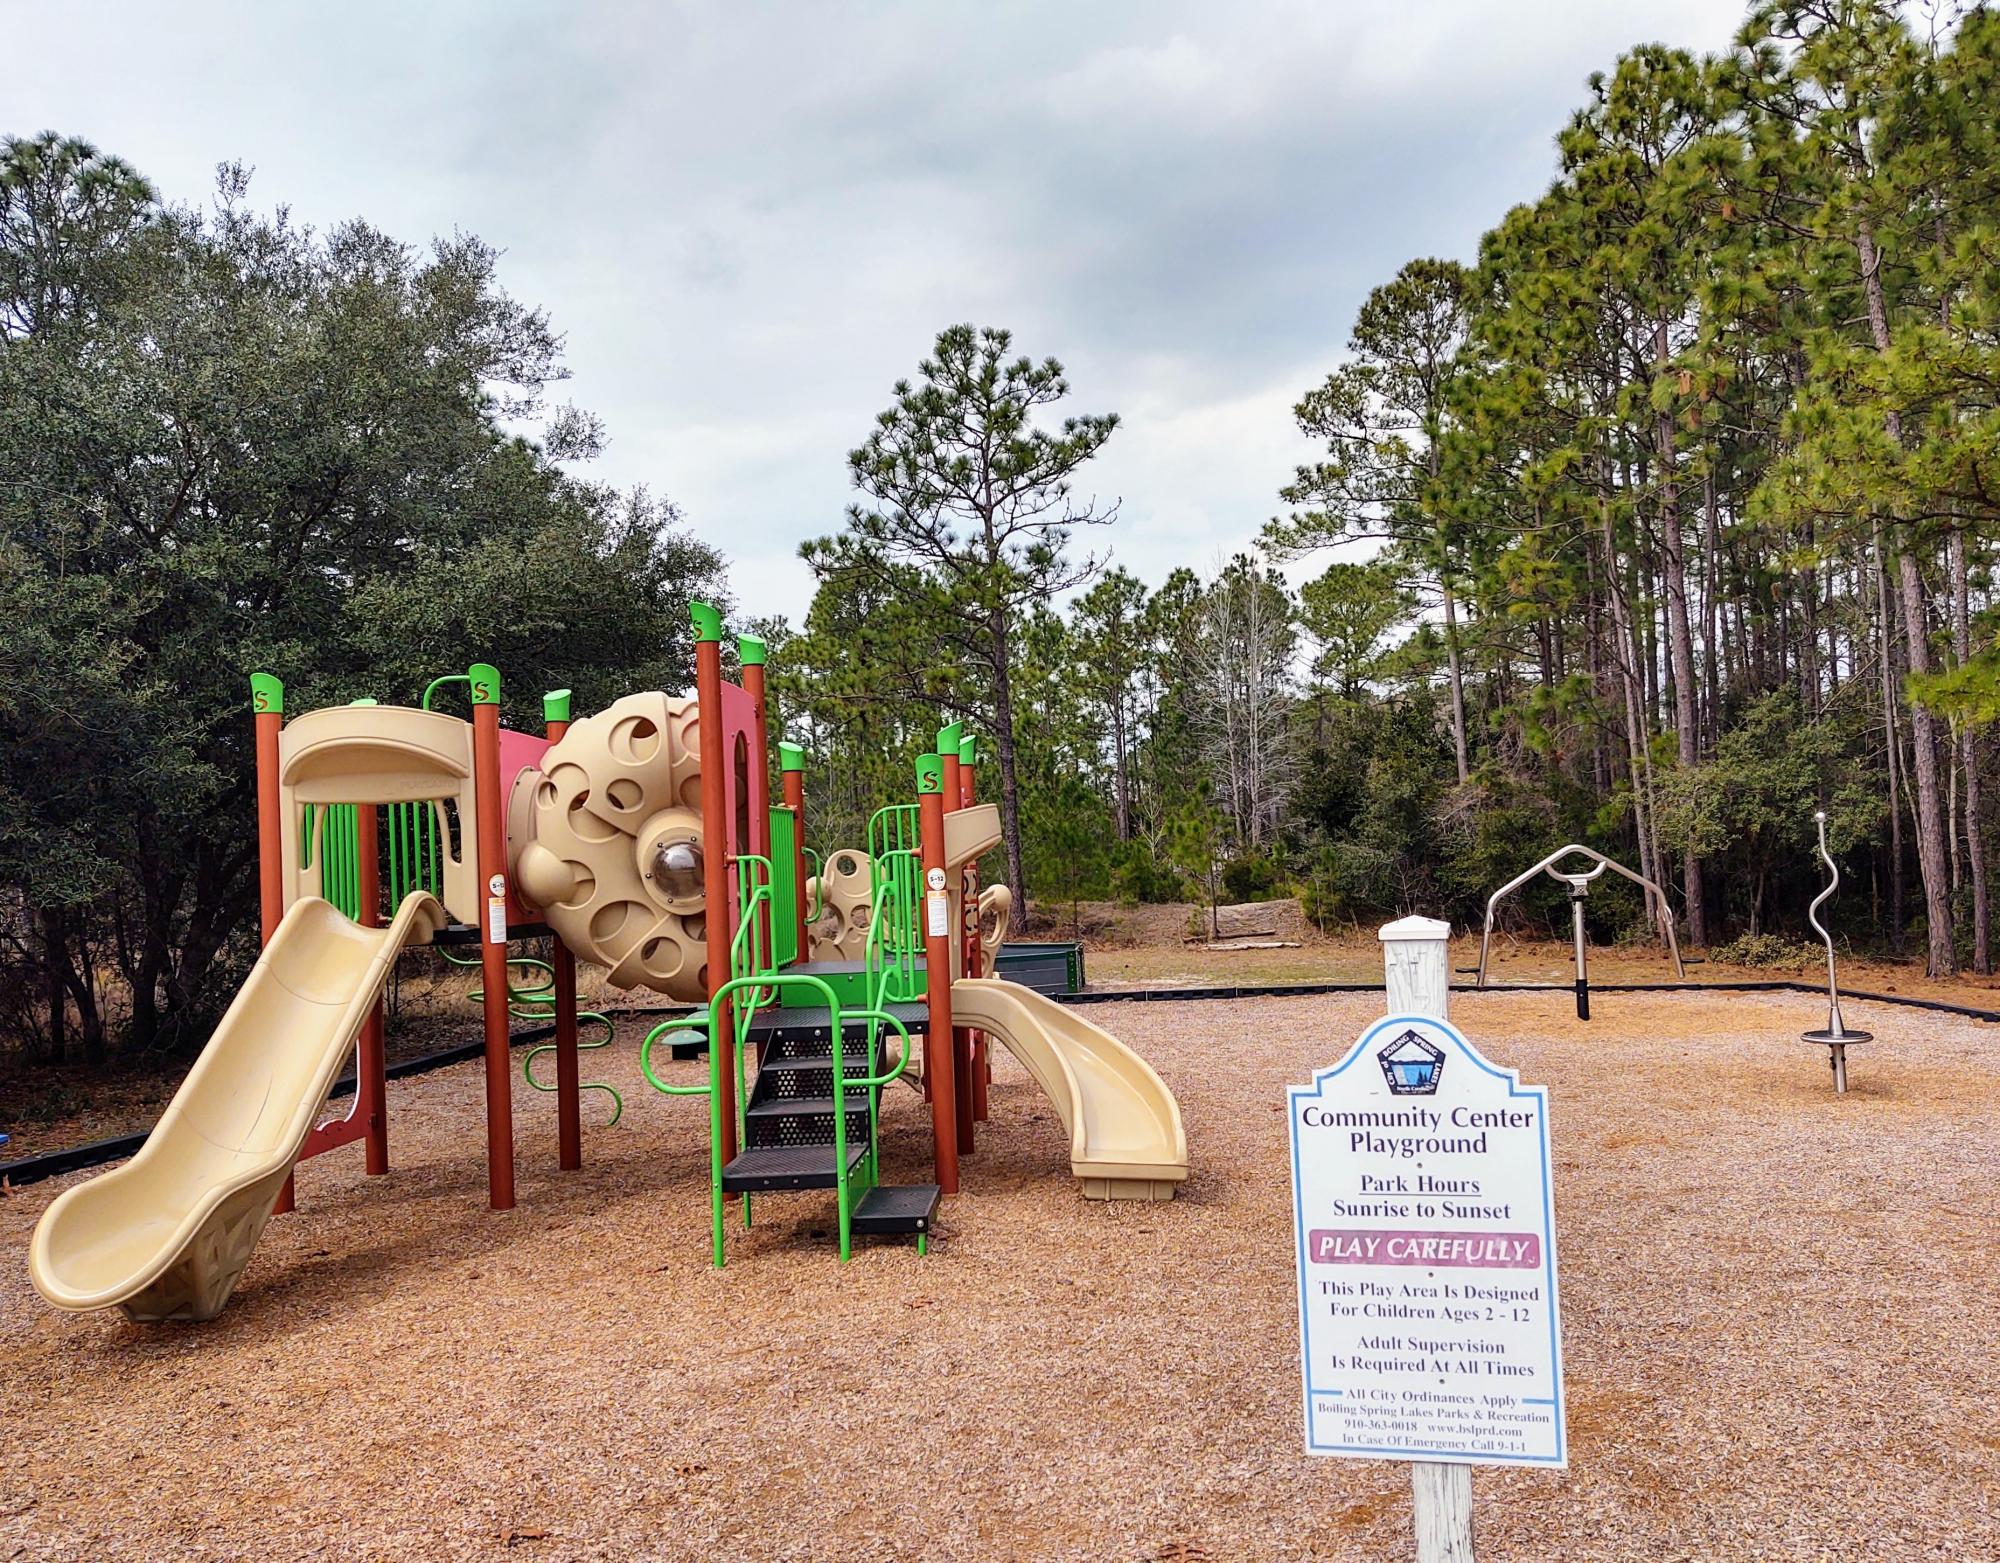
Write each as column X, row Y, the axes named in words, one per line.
column 1407, row 928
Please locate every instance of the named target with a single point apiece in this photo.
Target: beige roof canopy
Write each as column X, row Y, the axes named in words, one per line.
column 378, row 754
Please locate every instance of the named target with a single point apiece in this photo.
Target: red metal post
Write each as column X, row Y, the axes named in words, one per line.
column 569, row 1089
column 792, row 762
column 750, row 654
column 491, row 839
column 267, row 702
column 948, row 740
column 717, row 906
column 975, row 954
column 938, row 934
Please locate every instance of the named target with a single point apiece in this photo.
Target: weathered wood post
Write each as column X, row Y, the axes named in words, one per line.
column 1416, row 970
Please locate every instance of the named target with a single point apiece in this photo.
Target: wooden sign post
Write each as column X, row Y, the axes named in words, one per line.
column 1425, row 1230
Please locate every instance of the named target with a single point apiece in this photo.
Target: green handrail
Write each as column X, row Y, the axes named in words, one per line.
column 890, row 956
column 894, row 828
column 416, row 830
column 694, row 1020
column 339, row 852
column 438, row 683
column 750, row 957
column 845, row 1186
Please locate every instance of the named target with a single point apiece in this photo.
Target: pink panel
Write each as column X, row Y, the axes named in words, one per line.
column 518, row 752
column 738, row 716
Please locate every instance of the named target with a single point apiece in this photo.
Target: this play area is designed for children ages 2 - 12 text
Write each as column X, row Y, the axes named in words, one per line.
column 643, row 839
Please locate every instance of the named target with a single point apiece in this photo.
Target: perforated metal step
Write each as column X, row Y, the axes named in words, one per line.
column 787, row 1167
column 810, row 1024
column 892, row 1208
column 806, row 1106
column 802, row 1120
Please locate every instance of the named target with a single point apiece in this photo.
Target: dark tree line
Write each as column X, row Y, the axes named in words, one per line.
column 226, row 444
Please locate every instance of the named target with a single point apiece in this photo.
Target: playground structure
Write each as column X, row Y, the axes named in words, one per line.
column 642, row 838
column 1578, row 884
column 1834, row 1036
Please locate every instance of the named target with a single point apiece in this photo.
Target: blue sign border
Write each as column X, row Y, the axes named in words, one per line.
column 1539, row 1094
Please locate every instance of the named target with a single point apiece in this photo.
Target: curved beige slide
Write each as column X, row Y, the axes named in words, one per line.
column 166, row 1235
column 1125, row 1134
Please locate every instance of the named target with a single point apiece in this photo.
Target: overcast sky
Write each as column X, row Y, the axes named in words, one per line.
column 749, row 221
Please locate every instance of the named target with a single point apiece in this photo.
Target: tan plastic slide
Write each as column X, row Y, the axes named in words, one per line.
column 1125, row 1134
column 166, row 1235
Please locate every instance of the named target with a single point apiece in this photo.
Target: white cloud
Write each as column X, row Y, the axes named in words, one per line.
column 750, row 222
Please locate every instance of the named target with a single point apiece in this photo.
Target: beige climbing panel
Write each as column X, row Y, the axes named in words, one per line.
column 845, row 896
column 615, row 862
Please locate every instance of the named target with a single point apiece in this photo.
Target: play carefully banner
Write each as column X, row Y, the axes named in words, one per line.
column 1425, row 1228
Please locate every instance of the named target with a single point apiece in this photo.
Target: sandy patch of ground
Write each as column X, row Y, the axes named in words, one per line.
column 1775, row 1310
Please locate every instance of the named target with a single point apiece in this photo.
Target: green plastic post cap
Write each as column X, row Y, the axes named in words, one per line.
column 364, row 701
column 968, row 750
column 791, row 757
column 485, row 680
column 267, row 693
column 555, row 706
column 750, row 651
column 930, row 773
column 707, row 622
column 948, row 737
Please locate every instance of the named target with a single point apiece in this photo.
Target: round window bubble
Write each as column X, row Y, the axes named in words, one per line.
column 677, row 870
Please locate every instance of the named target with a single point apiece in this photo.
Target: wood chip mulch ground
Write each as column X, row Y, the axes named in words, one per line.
column 1780, row 1313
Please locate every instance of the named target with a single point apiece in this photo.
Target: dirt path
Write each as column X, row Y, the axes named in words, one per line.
column 1775, row 1310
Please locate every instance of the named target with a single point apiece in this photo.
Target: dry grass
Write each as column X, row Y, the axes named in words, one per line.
column 1777, row 1321
column 1357, row 957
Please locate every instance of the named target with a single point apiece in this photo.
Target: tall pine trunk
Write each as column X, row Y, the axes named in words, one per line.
column 1932, row 857
column 1975, row 836
column 1457, row 679
column 1003, row 742
column 1892, row 744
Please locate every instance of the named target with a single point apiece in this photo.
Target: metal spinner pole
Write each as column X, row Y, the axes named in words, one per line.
column 1836, row 1038
column 1579, row 891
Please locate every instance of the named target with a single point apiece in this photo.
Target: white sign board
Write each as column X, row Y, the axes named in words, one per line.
column 1425, row 1230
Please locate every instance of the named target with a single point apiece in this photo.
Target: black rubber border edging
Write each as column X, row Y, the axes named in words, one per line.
column 53, row 1164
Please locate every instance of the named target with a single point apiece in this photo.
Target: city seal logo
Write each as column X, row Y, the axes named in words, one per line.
column 1411, row 1065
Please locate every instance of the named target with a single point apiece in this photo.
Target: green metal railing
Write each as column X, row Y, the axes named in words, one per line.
column 894, row 828
column 415, row 846
column 750, row 949
column 755, row 985
column 894, row 939
column 849, row 1187
column 338, row 844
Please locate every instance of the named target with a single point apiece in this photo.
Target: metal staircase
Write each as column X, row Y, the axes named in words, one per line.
column 810, row 1117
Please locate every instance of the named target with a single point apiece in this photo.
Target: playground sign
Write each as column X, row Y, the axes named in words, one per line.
column 1425, row 1232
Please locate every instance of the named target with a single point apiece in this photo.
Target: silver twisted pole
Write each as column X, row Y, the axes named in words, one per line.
column 1833, row 1022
